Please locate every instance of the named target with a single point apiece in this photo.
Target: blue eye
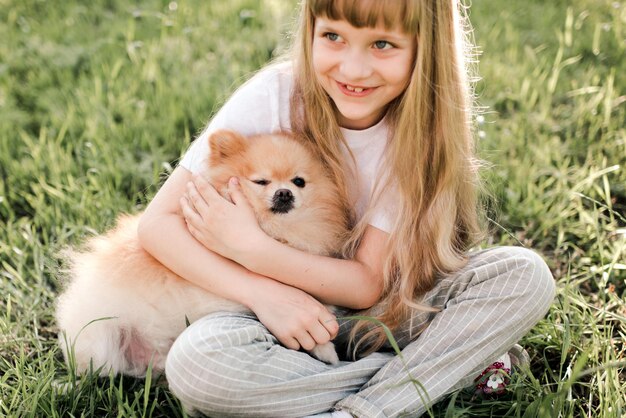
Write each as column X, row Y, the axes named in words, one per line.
column 331, row 36
column 382, row 45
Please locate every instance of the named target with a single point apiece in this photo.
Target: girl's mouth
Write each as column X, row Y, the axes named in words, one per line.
column 355, row 91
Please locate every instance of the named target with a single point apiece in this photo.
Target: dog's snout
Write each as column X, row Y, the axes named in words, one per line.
column 283, row 195
column 283, row 201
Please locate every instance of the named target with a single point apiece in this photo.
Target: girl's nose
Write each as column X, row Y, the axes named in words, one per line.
column 355, row 65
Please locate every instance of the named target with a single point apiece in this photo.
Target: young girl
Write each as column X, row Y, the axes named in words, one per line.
column 380, row 88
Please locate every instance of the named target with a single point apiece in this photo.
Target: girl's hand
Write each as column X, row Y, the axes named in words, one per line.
column 294, row 317
column 224, row 227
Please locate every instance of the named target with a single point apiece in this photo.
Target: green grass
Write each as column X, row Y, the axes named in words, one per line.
column 98, row 100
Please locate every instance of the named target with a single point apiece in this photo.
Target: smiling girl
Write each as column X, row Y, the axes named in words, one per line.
column 380, row 88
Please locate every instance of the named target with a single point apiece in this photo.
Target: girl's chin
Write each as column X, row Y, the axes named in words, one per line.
column 358, row 121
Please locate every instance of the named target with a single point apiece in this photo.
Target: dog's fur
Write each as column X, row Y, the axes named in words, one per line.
column 122, row 309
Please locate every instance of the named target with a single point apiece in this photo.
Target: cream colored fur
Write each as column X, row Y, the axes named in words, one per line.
column 121, row 309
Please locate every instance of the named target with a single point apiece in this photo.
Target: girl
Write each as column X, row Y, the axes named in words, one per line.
column 380, row 88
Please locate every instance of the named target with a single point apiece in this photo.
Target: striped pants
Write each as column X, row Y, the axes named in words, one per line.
column 229, row 365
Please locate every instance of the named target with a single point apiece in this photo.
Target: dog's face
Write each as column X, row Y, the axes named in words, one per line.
column 277, row 174
column 277, row 183
column 294, row 199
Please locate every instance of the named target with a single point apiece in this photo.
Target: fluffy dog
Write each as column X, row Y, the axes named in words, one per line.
column 122, row 309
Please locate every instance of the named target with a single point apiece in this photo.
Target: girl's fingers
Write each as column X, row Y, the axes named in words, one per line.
column 198, row 202
column 291, row 343
column 329, row 322
column 236, row 195
column 206, row 190
column 305, row 340
column 193, row 231
column 320, row 334
column 190, row 215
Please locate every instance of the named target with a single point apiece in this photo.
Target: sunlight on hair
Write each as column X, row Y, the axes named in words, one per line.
column 390, row 14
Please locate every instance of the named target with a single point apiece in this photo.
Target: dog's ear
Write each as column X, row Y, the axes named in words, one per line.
column 224, row 144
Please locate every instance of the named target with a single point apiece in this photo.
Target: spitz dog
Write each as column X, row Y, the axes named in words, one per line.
column 121, row 309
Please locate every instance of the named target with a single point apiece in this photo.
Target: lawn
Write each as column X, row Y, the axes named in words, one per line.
column 98, row 101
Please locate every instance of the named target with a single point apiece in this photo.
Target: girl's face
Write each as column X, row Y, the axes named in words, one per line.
column 361, row 69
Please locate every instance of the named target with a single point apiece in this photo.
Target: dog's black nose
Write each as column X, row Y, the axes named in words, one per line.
column 282, row 202
column 283, row 196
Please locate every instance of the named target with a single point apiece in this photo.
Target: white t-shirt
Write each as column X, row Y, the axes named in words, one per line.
column 261, row 105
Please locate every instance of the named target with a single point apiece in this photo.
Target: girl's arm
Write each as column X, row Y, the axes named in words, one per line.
column 293, row 316
column 230, row 229
column 355, row 284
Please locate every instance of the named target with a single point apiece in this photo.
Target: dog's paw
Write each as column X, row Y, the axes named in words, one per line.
column 326, row 353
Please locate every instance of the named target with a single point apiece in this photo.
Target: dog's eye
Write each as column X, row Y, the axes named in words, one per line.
column 298, row 181
column 262, row 182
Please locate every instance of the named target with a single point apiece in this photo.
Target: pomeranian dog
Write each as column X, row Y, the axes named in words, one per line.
column 121, row 309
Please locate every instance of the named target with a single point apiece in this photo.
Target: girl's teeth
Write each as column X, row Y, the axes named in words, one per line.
column 354, row 89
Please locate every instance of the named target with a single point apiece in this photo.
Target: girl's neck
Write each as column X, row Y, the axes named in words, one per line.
column 346, row 125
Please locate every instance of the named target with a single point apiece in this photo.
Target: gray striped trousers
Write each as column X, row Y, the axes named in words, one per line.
column 229, row 365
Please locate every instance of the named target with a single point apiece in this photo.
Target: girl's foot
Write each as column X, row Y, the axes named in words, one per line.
column 493, row 380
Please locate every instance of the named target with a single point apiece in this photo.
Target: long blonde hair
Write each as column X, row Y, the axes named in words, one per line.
column 430, row 153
